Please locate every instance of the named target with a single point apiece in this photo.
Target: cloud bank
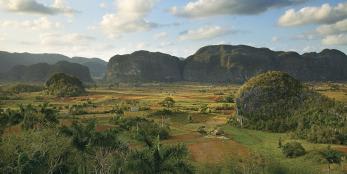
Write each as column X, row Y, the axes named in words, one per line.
column 206, row 8
column 129, row 17
column 34, row 7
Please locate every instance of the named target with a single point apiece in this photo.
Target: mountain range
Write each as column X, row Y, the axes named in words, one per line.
column 210, row 64
column 227, row 64
column 8, row 60
column 41, row 72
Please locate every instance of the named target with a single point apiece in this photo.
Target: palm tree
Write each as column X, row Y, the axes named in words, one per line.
column 81, row 137
column 160, row 159
column 98, row 145
column 30, row 118
column 49, row 116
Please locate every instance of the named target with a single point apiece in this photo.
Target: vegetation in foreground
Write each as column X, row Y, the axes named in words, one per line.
column 159, row 128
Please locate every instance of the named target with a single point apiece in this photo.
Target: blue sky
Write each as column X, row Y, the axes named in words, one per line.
column 104, row 28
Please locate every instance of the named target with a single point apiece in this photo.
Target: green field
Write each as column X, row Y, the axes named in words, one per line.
column 205, row 151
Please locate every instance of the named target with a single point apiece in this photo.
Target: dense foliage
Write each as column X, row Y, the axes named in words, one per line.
column 277, row 102
column 63, row 85
column 293, row 149
column 42, row 146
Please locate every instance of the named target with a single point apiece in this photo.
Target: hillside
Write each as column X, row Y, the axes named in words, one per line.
column 62, row 85
column 42, row 71
column 9, row 60
column 275, row 101
column 227, row 64
column 144, row 66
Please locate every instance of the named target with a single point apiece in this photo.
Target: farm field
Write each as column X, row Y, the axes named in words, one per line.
column 197, row 106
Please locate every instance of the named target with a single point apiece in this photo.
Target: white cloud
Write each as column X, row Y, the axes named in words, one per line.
column 165, row 44
column 202, row 33
column 339, row 27
column 35, row 7
column 161, row 35
column 2, row 37
column 274, row 39
column 42, row 23
column 306, row 36
column 130, row 17
column 340, row 39
column 205, row 8
column 325, row 14
column 103, row 5
column 65, row 40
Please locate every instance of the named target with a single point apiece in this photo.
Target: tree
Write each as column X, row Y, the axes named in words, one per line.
column 168, row 102
column 4, row 119
column 110, row 152
column 332, row 157
column 35, row 164
column 81, row 136
column 103, row 147
column 280, row 142
column 293, row 149
column 49, row 116
column 30, row 116
column 160, row 159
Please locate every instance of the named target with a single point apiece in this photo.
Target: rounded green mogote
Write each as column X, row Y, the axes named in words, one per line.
column 269, row 96
column 62, row 85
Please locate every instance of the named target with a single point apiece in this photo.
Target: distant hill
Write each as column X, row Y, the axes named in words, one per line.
column 9, row 60
column 144, row 66
column 227, row 64
column 96, row 66
column 43, row 71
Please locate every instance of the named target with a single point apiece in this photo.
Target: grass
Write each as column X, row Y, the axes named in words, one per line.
column 266, row 143
column 205, row 151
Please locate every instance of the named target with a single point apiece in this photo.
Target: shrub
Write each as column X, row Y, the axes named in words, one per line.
column 293, row 149
column 162, row 112
column 202, row 130
column 168, row 102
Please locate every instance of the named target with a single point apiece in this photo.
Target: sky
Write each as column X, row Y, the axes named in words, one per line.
column 104, row 28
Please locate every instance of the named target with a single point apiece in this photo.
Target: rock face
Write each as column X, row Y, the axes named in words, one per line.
column 236, row 64
column 42, row 71
column 227, row 64
column 144, row 66
column 97, row 67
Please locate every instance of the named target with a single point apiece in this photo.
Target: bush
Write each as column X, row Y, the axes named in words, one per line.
column 162, row 112
column 168, row 102
column 293, row 149
column 202, row 130
column 226, row 99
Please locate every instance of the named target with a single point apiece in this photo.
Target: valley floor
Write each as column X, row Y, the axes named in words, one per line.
column 208, row 152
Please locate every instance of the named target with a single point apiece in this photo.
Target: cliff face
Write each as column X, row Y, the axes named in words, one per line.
column 144, row 66
column 236, row 64
column 42, row 71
